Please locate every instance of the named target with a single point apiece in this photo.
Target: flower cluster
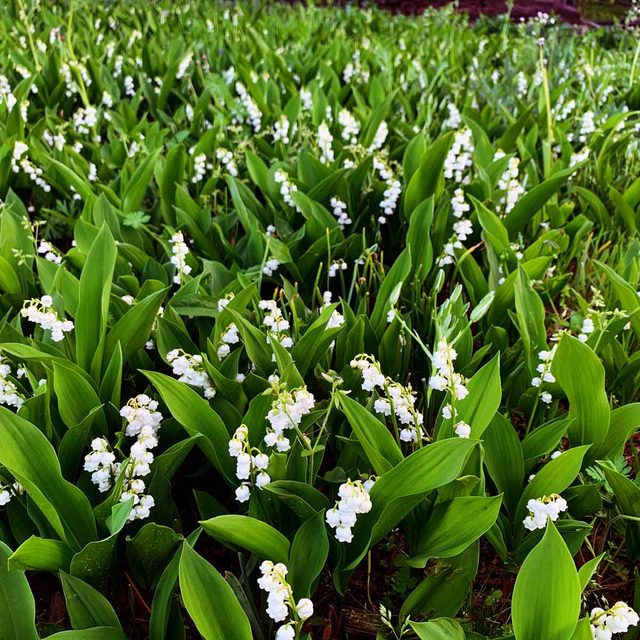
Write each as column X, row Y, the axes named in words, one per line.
column 270, row 266
column 616, row 619
column 542, row 508
column 48, row 250
column 459, row 159
column 445, row 378
column 226, row 158
column 180, row 251
column 401, row 402
column 510, row 185
column 9, row 393
column 230, row 336
column 372, row 377
column 281, row 130
column 339, row 210
column 587, row 126
column 335, row 267
column 460, row 427
column 353, row 500
column 325, row 140
column 337, row 319
column 250, row 463
column 200, row 167
column 380, row 137
column 191, row 370
column 354, row 70
column 277, row 325
column 8, row 491
column 350, row 126
column 544, row 369
column 39, row 311
column 393, row 189
column 280, row 601
column 143, row 422
column 588, row 327
column 462, row 229
column 286, row 413
column 286, row 187
column 454, row 120
column 19, row 160
column 255, row 115
column 101, row 464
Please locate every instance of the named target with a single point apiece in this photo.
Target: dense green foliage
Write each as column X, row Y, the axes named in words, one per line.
column 257, row 263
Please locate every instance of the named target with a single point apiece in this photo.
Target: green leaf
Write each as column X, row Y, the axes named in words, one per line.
column 41, row 554
column 480, row 405
column 18, row 619
column 389, row 291
column 495, row 231
column 581, row 375
column 586, row 571
column 76, row 397
column 251, row 534
column 454, row 525
column 210, row 601
column 134, row 328
column 197, row 417
column 425, row 179
column 149, row 551
column 532, row 201
column 438, row 629
column 139, row 182
column 546, row 596
column 87, row 607
column 376, row 440
column 554, row 477
column 163, row 595
column 308, row 556
column 504, row 460
column 97, row 633
column 400, row 489
column 530, row 312
column 31, row 459
column 93, row 305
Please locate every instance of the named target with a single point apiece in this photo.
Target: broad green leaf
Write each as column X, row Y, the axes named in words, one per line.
column 97, row 633
column 482, row 402
column 76, row 397
column 93, row 305
column 197, row 417
column 133, row 329
column 546, row 596
column 581, row 375
column 31, row 459
column 533, row 200
column 41, row 554
column 425, row 179
column 18, row 619
column 454, row 525
column 209, row 600
column 87, row 607
column 400, row 489
column 554, row 477
column 149, row 551
column 389, row 291
column 376, row 439
column 139, row 182
column 251, row 534
column 504, row 460
column 308, row 555
column 438, row 629
column 586, row 571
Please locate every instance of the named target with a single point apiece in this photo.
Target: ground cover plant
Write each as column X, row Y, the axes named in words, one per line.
column 317, row 323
